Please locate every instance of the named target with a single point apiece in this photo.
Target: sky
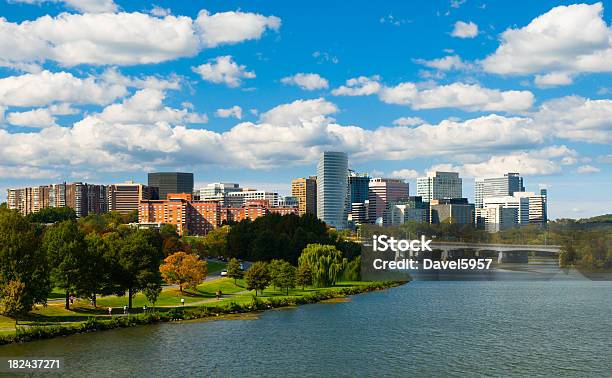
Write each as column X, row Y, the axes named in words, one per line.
column 104, row 91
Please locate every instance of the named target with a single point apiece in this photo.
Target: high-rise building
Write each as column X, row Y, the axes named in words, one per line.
column 383, row 191
column 171, row 182
column 86, row 199
column 412, row 209
column 439, row 185
column 497, row 186
column 496, row 217
column 451, row 210
column 218, row 191
column 125, row 197
column 332, row 189
column 521, row 204
column 359, row 187
column 359, row 213
column 305, row 189
column 537, row 207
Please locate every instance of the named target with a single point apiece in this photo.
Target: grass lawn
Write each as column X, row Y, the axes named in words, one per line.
column 215, row 266
column 203, row 295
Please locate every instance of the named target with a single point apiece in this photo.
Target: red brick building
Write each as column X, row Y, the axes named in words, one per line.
column 199, row 217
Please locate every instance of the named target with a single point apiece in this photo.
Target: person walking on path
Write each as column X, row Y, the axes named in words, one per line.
column 110, row 311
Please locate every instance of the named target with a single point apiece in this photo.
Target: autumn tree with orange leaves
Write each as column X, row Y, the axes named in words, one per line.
column 184, row 270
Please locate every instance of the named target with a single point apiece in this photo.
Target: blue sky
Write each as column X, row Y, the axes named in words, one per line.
column 252, row 92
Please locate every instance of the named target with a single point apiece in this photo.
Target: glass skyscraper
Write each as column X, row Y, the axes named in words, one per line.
column 171, row 182
column 332, row 189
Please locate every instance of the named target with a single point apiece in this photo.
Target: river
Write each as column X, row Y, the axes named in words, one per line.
column 551, row 328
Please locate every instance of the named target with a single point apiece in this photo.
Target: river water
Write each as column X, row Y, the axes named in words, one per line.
column 550, row 328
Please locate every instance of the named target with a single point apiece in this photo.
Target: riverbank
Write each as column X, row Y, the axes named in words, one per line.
column 240, row 303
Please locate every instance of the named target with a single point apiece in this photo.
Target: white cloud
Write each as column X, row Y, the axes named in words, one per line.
column 45, row 87
column 359, row 86
column 587, row 169
column 224, row 70
column 37, row 118
column 139, row 134
column 235, row 111
column 307, row 81
column 470, row 97
column 447, row 63
column 465, row 30
column 84, row 6
column 124, row 38
column 159, row 11
column 408, row 121
column 146, row 106
column 553, row 79
column 577, row 118
column 405, row 174
column 233, row 27
column 573, row 38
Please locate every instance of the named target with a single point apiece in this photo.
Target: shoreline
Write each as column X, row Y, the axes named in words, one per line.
column 177, row 314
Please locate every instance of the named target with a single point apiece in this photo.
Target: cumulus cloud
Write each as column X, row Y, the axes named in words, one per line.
column 85, row 6
column 566, row 39
column 470, row 97
column 233, row 27
column 553, row 79
column 307, row 81
column 235, row 111
column 465, row 30
column 528, row 163
column 124, row 38
column 405, row 174
column 447, row 63
column 224, row 70
column 587, row 169
column 118, row 139
column 408, row 121
column 43, row 88
column 359, row 86
column 37, row 118
column 146, row 106
column 577, row 118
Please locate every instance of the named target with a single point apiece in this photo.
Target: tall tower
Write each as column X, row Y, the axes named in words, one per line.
column 332, row 189
column 305, row 189
column 439, row 185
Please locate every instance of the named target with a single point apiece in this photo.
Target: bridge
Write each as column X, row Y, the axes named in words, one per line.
column 506, row 252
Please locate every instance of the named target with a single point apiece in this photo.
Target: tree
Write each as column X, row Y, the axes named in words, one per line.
column 96, row 277
column 183, row 269
column 257, row 277
column 303, row 276
column 52, row 215
column 16, row 300
column 22, row 260
column 325, row 261
column 215, row 242
column 138, row 257
column 66, row 250
column 233, row 269
column 284, row 277
column 152, row 292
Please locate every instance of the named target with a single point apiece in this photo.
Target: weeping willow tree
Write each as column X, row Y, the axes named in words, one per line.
column 325, row 262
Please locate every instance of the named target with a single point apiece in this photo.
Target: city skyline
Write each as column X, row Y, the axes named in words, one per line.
column 258, row 105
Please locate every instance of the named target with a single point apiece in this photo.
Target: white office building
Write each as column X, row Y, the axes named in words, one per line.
column 237, row 199
column 537, row 207
column 496, row 217
column 439, row 185
column 496, row 187
column 521, row 204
